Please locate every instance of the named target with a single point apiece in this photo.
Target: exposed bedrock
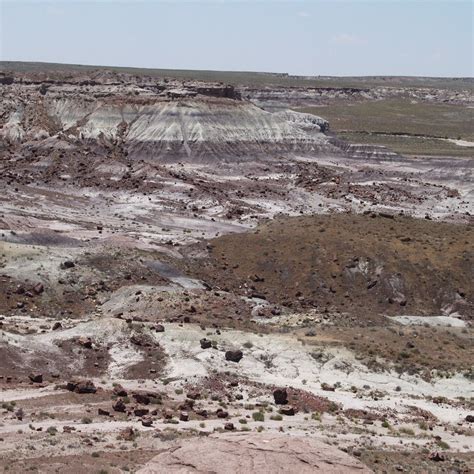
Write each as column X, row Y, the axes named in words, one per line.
column 186, row 122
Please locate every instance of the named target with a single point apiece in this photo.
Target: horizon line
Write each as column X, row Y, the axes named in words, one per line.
column 290, row 75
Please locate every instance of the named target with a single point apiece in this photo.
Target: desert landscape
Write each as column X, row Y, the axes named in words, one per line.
column 235, row 272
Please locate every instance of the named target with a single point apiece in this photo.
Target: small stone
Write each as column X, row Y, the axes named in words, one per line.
column 205, row 343
column 288, row 411
column 57, row 325
column 436, row 456
column 85, row 342
column 85, row 386
column 141, row 398
column 233, row 356
column 119, row 406
column 36, row 378
column 141, row 412
column 147, row 421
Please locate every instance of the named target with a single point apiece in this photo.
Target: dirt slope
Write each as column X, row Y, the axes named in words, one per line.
column 362, row 264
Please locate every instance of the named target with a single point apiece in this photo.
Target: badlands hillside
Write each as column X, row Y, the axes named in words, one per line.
column 198, row 264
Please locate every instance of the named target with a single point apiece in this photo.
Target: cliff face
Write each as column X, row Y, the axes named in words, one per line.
column 159, row 121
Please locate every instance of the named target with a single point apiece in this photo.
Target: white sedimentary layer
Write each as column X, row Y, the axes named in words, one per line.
column 195, row 125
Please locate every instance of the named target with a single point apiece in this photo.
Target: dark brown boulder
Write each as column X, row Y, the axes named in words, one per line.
column 147, row 421
column 141, row 398
column 119, row 406
column 57, row 325
column 141, row 412
column 280, row 396
column 222, row 413
column 205, row 343
column 436, row 456
column 36, row 378
column 234, row 356
column 81, row 386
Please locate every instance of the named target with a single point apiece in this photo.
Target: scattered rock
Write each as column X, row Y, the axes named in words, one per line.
column 38, row 288
column 280, row 396
column 85, row 342
column 234, row 356
column 141, row 412
column 222, row 413
column 206, row 344
column 436, row 456
column 288, row 411
column 83, row 386
column 147, row 421
column 120, row 406
column 141, row 398
column 36, row 378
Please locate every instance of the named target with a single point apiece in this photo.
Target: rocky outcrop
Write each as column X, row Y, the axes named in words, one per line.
column 308, row 122
column 241, row 453
column 166, row 121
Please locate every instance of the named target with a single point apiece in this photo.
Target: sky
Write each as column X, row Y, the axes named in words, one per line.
column 312, row 37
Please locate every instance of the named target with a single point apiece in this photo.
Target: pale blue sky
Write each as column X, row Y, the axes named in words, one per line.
column 405, row 37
